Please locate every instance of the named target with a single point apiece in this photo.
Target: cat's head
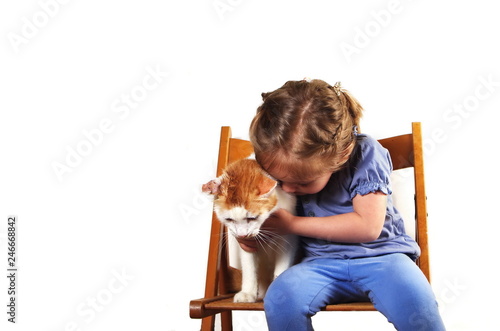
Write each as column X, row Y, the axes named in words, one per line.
column 244, row 197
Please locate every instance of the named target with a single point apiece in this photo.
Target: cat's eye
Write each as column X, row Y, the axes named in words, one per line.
column 229, row 219
column 253, row 218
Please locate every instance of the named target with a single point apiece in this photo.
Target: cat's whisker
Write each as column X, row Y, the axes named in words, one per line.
column 269, row 238
column 275, row 235
column 261, row 243
column 270, row 235
column 283, row 245
column 224, row 238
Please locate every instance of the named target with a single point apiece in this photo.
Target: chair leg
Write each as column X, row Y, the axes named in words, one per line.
column 208, row 323
column 227, row 321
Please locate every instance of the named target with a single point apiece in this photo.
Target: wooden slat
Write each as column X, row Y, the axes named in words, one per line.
column 214, row 249
column 239, row 149
column 222, row 303
column 401, row 150
column 227, row 303
column 421, row 201
column 351, row 306
column 198, row 308
column 224, row 149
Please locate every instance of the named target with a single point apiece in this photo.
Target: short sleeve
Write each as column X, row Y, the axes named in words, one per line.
column 372, row 167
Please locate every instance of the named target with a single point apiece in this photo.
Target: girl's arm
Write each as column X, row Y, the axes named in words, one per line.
column 364, row 224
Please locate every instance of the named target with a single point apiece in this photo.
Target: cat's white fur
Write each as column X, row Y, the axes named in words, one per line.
column 260, row 268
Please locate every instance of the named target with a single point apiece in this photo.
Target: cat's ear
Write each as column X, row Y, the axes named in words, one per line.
column 212, row 187
column 266, row 186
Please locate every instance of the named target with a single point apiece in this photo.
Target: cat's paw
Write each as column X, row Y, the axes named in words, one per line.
column 245, row 297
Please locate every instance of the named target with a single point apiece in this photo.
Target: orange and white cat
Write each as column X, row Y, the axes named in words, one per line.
column 244, row 197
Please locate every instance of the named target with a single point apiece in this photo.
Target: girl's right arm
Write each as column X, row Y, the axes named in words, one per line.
column 364, row 224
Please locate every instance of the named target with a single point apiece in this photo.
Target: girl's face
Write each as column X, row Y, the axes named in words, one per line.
column 299, row 186
column 309, row 187
column 297, row 176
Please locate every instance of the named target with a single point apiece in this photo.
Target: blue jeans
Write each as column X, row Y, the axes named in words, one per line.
column 393, row 282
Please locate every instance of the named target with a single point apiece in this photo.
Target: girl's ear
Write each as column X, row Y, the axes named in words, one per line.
column 212, row 187
column 266, row 186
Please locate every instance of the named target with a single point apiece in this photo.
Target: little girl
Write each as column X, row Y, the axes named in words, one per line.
column 356, row 249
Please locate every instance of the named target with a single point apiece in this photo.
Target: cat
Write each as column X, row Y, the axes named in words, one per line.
column 244, row 197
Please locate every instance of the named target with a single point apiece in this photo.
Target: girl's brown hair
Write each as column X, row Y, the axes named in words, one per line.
column 307, row 123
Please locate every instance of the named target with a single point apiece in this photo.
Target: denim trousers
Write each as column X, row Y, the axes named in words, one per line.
column 393, row 283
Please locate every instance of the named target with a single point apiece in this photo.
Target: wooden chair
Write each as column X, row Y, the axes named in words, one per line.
column 223, row 281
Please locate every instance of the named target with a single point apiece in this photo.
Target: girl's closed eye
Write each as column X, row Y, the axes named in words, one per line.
column 281, row 183
column 309, row 186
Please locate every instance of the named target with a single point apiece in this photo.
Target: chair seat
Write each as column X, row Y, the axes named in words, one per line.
column 206, row 307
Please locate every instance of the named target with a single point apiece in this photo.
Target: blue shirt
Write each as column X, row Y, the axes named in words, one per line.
column 368, row 170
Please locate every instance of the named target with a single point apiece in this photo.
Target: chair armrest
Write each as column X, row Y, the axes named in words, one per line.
column 197, row 308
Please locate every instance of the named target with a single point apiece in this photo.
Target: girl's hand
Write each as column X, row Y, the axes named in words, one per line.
column 249, row 245
column 279, row 222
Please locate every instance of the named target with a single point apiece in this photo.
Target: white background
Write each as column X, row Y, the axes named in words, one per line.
column 119, row 242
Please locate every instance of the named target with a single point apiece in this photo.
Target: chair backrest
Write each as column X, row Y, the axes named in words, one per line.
column 405, row 150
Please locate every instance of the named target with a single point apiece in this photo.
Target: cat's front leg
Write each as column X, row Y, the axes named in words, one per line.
column 249, row 282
